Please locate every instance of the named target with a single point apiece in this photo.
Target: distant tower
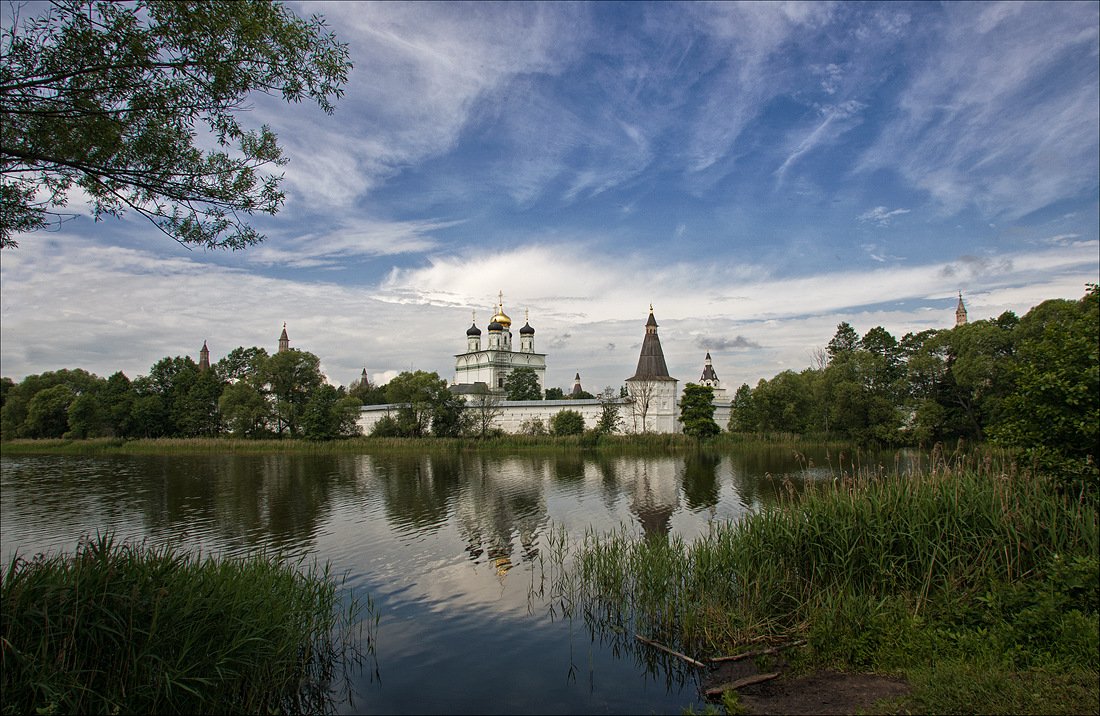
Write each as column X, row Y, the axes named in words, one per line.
column 577, row 389
column 204, row 357
column 284, row 340
column 960, row 312
column 363, row 379
column 526, row 335
column 710, row 378
column 473, row 335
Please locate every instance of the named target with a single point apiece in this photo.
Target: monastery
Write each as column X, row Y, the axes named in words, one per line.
column 651, row 405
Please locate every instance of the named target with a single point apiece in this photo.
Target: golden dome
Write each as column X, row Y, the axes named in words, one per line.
column 501, row 317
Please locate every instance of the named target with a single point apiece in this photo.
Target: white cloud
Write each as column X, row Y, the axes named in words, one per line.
column 881, row 216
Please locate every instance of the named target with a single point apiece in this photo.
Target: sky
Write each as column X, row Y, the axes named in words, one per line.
column 756, row 172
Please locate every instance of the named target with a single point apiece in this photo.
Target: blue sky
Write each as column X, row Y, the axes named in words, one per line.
column 758, row 172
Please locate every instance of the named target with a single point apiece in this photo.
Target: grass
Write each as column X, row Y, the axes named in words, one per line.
column 121, row 627
column 976, row 581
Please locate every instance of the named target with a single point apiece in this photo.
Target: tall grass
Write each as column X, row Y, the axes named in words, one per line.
column 964, row 560
column 121, row 627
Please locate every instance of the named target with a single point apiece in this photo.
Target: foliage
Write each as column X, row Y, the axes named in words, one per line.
column 522, row 384
column 697, row 411
column 129, row 628
column 555, row 394
column 482, row 413
column 290, row 378
column 567, row 422
column 533, row 427
column 330, row 414
column 367, row 393
column 418, row 393
column 970, row 567
column 609, row 421
column 119, row 101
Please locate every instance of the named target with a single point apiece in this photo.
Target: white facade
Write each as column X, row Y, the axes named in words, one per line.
column 492, row 364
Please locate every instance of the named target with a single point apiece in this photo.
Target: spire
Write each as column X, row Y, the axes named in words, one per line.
column 204, row 357
column 284, row 340
column 709, row 377
column 960, row 312
column 577, row 389
column 651, row 361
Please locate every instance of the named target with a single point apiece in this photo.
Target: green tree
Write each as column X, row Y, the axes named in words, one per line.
column 555, row 394
column 483, row 411
column 742, row 411
column 241, row 364
column 291, row 377
column 330, row 414
column 610, row 420
column 1055, row 403
column 48, row 412
column 118, row 404
column 417, row 393
column 567, row 422
column 87, row 417
column 245, row 409
column 697, row 411
column 367, row 393
column 112, row 98
column 449, row 417
column 522, row 384
column 845, row 340
column 17, row 399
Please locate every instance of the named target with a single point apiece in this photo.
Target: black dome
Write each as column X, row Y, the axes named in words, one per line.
column 496, row 326
column 527, row 328
column 473, row 330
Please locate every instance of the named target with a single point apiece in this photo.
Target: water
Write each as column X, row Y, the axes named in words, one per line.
column 449, row 547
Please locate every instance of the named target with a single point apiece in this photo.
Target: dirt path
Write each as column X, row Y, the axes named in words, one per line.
column 824, row 692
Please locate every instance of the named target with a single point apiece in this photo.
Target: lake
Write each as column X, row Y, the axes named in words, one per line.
column 449, row 546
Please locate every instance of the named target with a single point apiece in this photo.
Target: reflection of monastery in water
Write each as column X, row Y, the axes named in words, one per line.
column 651, row 403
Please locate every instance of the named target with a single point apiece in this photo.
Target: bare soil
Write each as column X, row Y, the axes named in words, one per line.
column 822, row 692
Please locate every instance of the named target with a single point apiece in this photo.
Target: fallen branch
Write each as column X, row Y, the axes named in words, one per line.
column 757, row 652
column 678, row 655
column 739, row 684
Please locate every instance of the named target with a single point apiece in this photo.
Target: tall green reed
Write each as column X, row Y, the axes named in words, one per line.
column 121, row 627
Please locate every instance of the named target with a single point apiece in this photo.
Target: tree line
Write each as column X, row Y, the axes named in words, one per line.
column 248, row 393
column 1032, row 382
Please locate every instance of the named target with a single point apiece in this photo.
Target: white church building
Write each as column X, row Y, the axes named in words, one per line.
column 651, row 405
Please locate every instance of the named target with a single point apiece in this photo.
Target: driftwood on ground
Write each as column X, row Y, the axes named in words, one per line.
column 717, row 691
column 756, row 652
column 684, row 657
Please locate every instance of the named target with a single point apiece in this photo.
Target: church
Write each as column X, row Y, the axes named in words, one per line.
column 651, row 404
column 485, row 369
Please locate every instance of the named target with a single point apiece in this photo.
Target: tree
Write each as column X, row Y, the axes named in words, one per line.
column 367, row 393
column 291, row 378
column 105, row 97
column 48, row 412
column 240, row 364
column 330, row 414
column 555, row 394
column 609, row 420
column 567, row 422
column 418, row 393
column 245, row 410
column 742, row 412
column 642, row 392
column 845, row 340
column 449, row 419
column 522, row 384
column 484, row 410
column 697, row 411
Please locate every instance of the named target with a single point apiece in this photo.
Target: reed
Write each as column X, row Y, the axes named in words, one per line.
column 967, row 559
column 121, row 627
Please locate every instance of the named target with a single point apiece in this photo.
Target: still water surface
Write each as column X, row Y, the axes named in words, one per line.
column 448, row 546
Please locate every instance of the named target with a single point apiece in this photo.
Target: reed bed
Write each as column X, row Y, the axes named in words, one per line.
column 967, row 559
column 128, row 628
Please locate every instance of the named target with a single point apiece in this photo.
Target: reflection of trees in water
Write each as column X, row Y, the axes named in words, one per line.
column 274, row 500
column 417, row 490
column 701, row 480
column 503, row 503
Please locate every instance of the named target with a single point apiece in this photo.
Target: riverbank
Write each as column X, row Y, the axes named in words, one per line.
column 975, row 583
column 120, row 627
column 663, row 443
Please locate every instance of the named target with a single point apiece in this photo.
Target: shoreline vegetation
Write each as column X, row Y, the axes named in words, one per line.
column 127, row 627
column 973, row 580
column 643, row 443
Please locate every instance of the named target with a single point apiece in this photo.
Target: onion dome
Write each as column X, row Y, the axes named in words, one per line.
column 526, row 330
column 501, row 317
column 495, row 326
column 473, row 330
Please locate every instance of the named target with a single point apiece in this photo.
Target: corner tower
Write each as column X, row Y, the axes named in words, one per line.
column 960, row 312
column 652, row 391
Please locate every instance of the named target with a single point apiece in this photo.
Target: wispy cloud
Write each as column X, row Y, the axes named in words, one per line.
column 881, row 216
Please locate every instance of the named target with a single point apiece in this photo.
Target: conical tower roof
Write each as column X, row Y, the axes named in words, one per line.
column 651, row 361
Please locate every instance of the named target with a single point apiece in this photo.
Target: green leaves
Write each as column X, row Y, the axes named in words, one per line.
column 112, row 97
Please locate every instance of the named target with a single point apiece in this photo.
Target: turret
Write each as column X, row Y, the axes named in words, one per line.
column 577, row 389
column 204, row 357
column 709, row 377
column 473, row 336
column 526, row 335
column 284, row 340
column 960, row 312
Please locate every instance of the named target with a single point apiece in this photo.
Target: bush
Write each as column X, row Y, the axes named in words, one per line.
column 567, row 422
